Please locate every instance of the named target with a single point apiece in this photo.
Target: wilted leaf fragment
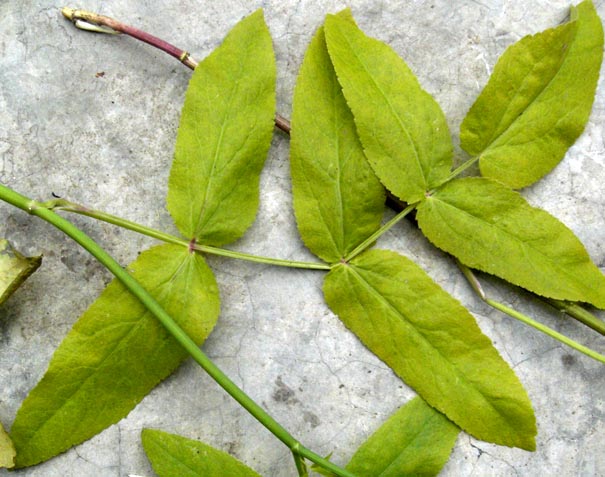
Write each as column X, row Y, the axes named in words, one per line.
column 14, row 269
column 433, row 343
column 416, row 440
column 401, row 127
column 115, row 354
column 7, row 450
column 489, row 227
column 537, row 101
column 172, row 455
column 223, row 137
column 338, row 200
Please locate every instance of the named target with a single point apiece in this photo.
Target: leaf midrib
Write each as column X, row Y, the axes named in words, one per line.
column 175, row 459
column 140, row 319
column 337, row 154
column 219, row 143
column 394, row 463
column 508, row 234
column 394, row 309
column 494, row 139
column 391, row 108
column 216, row 158
column 321, row 210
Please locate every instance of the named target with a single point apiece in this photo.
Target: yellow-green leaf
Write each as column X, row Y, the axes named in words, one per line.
column 14, row 269
column 415, row 440
column 223, row 137
column 115, row 354
column 489, row 227
column 7, row 450
column 176, row 456
column 537, row 101
column 338, row 200
column 433, row 343
column 402, row 128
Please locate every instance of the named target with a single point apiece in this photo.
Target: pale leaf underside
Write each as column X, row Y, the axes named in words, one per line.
column 7, row 450
column 14, row 269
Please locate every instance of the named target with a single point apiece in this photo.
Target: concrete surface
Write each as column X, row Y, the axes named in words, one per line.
column 93, row 119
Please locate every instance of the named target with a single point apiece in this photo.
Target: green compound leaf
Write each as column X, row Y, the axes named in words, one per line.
column 7, row 450
column 224, row 135
column 338, row 200
column 115, row 354
column 14, row 269
column 491, row 228
column 415, row 440
column 401, row 127
column 537, row 101
column 172, row 455
column 433, row 343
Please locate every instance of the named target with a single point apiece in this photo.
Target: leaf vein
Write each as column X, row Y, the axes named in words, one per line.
column 535, row 99
column 393, row 308
column 392, row 109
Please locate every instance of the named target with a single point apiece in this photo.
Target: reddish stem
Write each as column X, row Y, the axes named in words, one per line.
column 95, row 20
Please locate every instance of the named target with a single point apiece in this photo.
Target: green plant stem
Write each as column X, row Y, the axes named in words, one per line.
column 40, row 210
column 372, row 238
column 459, row 170
column 61, row 204
column 476, row 286
column 577, row 312
column 546, row 330
column 569, row 308
column 300, row 464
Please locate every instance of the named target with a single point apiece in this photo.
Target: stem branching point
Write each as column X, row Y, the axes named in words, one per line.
column 67, row 206
column 38, row 209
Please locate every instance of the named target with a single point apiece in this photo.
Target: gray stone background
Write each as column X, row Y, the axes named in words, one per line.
column 93, row 118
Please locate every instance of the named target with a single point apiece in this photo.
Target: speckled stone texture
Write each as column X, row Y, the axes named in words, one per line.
column 93, row 118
